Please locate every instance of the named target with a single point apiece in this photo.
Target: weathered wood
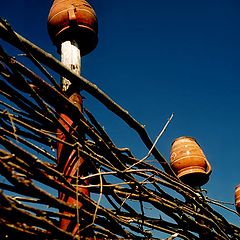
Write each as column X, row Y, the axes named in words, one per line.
column 47, row 59
column 71, row 58
column 132, row 199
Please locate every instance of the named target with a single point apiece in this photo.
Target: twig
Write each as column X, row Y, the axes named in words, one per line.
column 87, row 86
column 154, row 144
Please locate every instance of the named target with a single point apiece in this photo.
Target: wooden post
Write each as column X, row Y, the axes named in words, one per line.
column 69, row 161
column 73, row 27
column 71, row 58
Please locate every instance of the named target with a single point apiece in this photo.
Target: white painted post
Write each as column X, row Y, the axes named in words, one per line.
column 71, row 58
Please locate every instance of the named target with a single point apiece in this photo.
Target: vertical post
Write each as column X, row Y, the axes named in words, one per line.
column 73, row 28
column 71, row 58
column 191, row 165
column 69, row 161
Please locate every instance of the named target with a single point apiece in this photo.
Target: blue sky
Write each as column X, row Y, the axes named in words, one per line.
column 159, row 57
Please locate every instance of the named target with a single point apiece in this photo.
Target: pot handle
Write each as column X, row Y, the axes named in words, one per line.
column 71, row 14
column 209, row 167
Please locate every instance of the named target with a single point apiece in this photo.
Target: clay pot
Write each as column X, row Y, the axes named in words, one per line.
column 73, row 20
column 189, row 162
column 237, row 198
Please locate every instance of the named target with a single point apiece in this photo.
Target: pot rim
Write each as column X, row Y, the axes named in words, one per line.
column 182, row 137
column 238, row 186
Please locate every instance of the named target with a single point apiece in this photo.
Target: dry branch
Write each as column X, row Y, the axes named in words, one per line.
column 130, row 198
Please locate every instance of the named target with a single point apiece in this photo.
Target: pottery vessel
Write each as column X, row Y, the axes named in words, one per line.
column 237, row 198
column 73, row 20
column 189, row 162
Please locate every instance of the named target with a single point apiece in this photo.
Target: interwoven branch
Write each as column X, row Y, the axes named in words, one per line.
column 130, row 198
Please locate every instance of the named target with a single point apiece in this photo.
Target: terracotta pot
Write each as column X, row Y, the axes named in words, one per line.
column 189, row 162
column 237, row 198
column 73, row 20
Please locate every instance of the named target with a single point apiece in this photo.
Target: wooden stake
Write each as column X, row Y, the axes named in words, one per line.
column 71, row 58
column 69, row 162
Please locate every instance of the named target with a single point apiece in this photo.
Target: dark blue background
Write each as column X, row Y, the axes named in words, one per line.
column 158, row 57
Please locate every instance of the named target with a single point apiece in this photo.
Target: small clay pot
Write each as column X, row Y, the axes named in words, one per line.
column 189, row 162
column 73, row 20
column 237, row 198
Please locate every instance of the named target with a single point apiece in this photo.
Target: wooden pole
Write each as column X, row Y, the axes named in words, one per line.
column 72, row 26
column 69, row 161
column 71, row 58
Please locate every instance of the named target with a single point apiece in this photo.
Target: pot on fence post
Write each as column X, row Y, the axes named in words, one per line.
column 73, row 28
column 73, row 20
column 189, row 162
